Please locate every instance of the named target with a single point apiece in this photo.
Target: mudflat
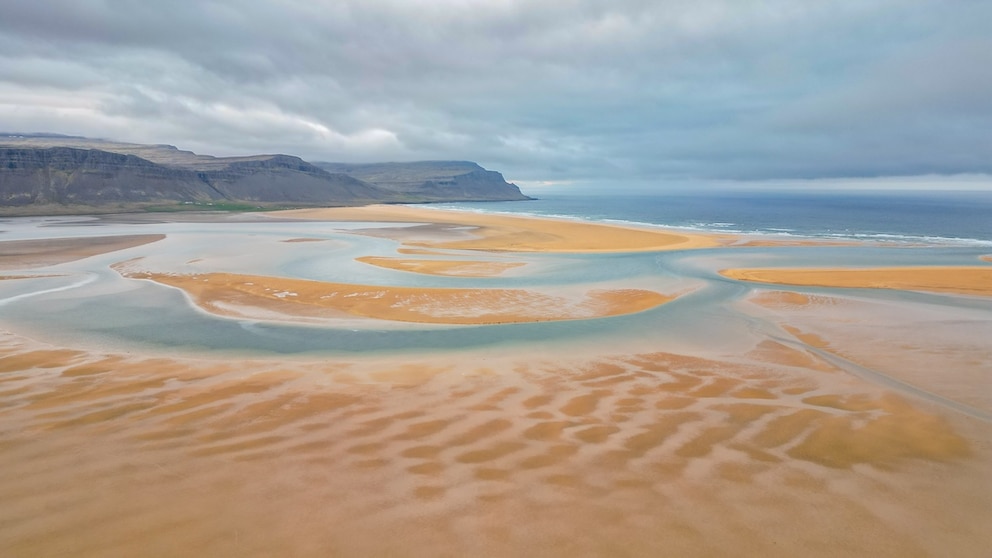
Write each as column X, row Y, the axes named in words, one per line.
column 20, row 254
column 603, row 392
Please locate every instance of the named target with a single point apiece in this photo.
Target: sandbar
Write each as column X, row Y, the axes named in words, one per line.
column 504, row 233
column 254, row 296
column 947, row 279
column 20, row 254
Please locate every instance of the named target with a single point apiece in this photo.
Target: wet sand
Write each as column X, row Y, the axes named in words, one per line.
column 629, row 454
column 960, row 280
column 503, row 233
column 833, row 428
column 940, row 355
column 21, row 254
column 450, row 268
column 260, row 297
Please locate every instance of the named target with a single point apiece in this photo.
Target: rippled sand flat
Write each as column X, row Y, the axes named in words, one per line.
column 714, row 418
column 635, row 454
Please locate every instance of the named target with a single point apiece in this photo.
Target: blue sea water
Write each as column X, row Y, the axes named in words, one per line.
column 950, row 216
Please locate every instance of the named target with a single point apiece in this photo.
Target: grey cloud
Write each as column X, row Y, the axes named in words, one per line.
column 548, row 90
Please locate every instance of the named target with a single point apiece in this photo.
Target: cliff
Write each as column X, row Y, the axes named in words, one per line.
column 433, row 181
column 93, row 177
column 63, row 174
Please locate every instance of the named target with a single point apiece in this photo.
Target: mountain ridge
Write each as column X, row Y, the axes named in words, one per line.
column 50, row 173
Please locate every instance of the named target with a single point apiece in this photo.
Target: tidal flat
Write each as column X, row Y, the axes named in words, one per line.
column 419, row 382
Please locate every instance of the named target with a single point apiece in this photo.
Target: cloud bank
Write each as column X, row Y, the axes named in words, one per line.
column 551, row 90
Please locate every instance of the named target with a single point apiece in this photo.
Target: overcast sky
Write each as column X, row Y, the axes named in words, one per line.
column 552, row 90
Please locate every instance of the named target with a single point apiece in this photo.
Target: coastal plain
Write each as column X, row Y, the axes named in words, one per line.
column 417, row 382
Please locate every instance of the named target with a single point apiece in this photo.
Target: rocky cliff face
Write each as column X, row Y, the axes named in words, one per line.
column 283, row 178
column 63, row 175
column 66, row 175
column 429, row 181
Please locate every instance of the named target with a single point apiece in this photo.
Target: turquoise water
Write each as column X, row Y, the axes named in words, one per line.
column 91, row 304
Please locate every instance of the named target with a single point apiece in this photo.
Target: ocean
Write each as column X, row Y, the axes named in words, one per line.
column 882, row 215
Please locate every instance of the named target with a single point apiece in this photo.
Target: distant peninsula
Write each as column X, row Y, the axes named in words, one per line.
column 49, row 174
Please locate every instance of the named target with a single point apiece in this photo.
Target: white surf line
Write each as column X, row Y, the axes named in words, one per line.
column 91, row 277
column 870, row 375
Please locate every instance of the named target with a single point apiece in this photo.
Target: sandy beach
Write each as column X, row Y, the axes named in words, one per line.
column 645, row 409
column 504, row 233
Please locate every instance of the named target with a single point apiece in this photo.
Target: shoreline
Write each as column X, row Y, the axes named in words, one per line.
column 507, row 233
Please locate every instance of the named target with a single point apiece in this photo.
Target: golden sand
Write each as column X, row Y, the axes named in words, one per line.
column 452, row 268
column 19, row 254
column 959, row 280
column 637, row 455
column 585, row 450
column 246, row 295
column 503, row 233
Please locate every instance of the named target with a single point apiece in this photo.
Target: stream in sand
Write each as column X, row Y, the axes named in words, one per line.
column 196, row 388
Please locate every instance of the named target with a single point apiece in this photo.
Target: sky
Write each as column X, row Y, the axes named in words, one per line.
column 545, row 91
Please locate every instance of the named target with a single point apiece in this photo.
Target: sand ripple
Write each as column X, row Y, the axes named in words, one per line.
column 115, row 455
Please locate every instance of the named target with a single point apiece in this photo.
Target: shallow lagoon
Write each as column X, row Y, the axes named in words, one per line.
column 88, row 302
column 736, row 418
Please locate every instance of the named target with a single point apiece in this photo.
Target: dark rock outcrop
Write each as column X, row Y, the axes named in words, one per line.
column 67, row 176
